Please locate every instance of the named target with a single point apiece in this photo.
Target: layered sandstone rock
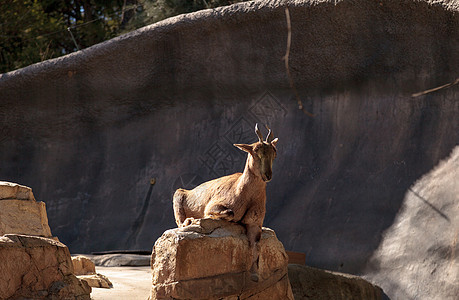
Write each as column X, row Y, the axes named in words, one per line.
column 20, row 213
column 10, row 190
column 210, row 260
column 315, row 284
column 85, row 270
column 83, row 265
column 96, row 280
column 34, row 267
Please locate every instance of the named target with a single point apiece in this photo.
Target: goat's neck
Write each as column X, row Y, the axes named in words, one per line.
column 250, row 178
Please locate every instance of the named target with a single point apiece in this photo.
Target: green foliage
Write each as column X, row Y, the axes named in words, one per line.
column 149, row 12
column 21, row 26
column 32, row 31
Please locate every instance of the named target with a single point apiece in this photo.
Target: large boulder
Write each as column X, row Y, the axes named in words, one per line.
column 83, row 265
column 210, row 259
column 417, row 258
column 96, row 280
column 315, row 284
column 85, row 269
column 34, row 267
column 20, row 213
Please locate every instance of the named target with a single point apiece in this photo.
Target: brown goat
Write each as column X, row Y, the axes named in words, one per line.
column 240, row 197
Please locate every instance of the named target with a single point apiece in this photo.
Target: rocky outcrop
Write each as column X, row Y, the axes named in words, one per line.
column 210, row 260
column 417, row 258
column 20, row 213
column 34, row 267
column 85, row 270
column 31, row 264
column 96, row 280
column 315, row 284
column 83, row 265
column 10, row 190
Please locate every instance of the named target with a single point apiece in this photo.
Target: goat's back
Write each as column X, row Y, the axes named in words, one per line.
column 216, row 191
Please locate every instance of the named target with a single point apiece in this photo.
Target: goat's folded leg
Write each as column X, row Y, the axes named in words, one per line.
column 254, row 235
column 219, row 212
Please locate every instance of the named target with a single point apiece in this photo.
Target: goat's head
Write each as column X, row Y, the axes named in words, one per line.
column 262, row 154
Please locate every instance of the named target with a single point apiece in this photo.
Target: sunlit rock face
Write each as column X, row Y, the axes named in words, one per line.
column 20, row 213
column 38, row 268
column 210, row 259
column 89, row 130
column 85, row 269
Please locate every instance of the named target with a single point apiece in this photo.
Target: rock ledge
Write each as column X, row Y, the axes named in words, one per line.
column 210, row 259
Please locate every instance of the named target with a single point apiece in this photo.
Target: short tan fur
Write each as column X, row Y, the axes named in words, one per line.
column 240, row 197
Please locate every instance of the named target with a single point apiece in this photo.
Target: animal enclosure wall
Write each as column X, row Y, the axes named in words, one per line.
column 89, row 130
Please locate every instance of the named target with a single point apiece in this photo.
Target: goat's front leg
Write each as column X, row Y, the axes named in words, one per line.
column 219, row 212
column 254, row 235
column 178, row 202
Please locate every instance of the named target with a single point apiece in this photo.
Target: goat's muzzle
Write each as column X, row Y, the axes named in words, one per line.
column 267, row 177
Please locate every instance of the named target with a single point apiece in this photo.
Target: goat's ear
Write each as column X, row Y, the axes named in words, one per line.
column 274, row 142
column 244, row 147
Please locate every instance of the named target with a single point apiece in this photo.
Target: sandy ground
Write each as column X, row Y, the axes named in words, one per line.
column 131, row 283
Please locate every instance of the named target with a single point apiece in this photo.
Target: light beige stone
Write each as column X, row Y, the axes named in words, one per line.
column 85, row 269
column 34, row 267
column 96, row 280
column 210, row 259
column 23, row 217
column 10, row 190
column 83, row 265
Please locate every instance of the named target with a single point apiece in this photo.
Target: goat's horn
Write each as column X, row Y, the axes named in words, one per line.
column 269, row 137
column 258, row 132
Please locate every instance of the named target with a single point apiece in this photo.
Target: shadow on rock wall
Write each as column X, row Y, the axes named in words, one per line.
column 89, row 130
column 416, row 258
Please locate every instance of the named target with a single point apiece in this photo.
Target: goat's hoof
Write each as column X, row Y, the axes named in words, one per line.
column 187, row 222
column 254, row 277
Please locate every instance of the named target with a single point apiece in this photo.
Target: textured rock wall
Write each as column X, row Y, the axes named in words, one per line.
column 23, row 217
column 417, row 257
column 90, row 129
column 38, row 268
